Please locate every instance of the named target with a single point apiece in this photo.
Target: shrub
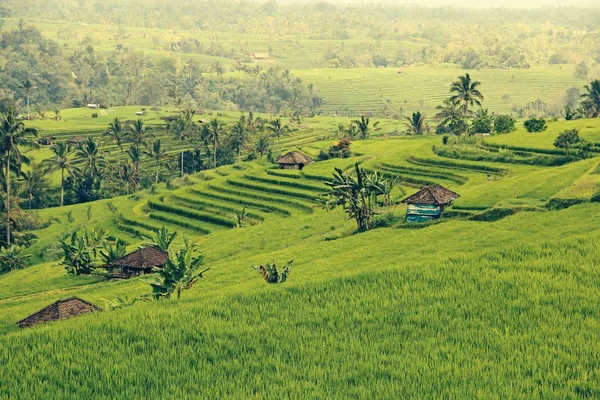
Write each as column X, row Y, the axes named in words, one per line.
column 495, row 214
column 535, row 125
column 271, row 275
column 567, row 139
column 12, row 258
column 504, row 124
column 560, row 204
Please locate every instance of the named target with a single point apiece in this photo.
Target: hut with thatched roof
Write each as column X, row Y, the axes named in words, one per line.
column 58, row 311
column 140, row 262
column 428, row 203
column 47, row 140
column 294, row 160
column 76, row 140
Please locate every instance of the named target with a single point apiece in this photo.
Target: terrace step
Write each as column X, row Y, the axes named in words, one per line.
column 277, row 201
column 229, row 197
column 274, row 189
column 213, row 208
column 174, row 220
column 293, row 183
column 186, row 212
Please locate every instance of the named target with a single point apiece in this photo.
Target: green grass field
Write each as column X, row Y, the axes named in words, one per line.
column 457, row 309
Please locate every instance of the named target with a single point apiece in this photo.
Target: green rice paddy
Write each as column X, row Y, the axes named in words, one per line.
column 457, row 309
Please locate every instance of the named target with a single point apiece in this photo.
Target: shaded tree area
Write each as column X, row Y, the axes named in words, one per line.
column 37, row 71
column 471, row 37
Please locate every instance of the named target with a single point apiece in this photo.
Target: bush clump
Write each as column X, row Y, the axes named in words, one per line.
column 535, row 125
column 270, row 273
column 560, row 204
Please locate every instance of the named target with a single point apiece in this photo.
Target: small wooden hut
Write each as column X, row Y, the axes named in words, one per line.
column 294, row 160
column 58, row 311
column 140, row 262
column 428, row 203
column 47, row 140
column 76, row 140
column 260, row 56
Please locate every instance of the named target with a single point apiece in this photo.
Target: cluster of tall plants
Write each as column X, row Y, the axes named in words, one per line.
column 182, row 272
column 357, row 194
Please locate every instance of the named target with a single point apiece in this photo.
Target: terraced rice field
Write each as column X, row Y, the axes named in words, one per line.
column 422, row 88
column 462, row 308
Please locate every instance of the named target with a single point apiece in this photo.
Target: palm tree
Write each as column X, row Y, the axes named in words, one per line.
column 93, row 160
column 363, row 126
column 448, row 111
column 262, row 145
column 216, row 129
column 138, row 133
column 60, row 161
column 278, row 130
column 129, row 175
column 117, row 133
column 157, row 153
column 238, row 136
column 135, row 157
column 27, row 87
column 205, row 136
column 31, row 179
column 218, row 68
column 466, row 91
column 416, row 124
column 591, row 99
column 182, row 128
column 13, row 136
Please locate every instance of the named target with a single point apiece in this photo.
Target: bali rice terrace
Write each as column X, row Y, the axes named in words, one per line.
column 311, row 200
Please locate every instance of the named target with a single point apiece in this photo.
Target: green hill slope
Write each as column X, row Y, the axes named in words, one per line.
column 460, row 309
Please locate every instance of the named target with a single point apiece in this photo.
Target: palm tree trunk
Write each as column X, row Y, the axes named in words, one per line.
column 8, row 200
column 215, row 152
column 157, row 168
column 182, row 151
column 62, row 186
column 28, row 107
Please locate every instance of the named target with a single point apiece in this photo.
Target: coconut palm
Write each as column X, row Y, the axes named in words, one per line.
column 278, row 129
column 448, row 111
column 31, row 180
column 238, row 136
column 91, row 156
column 216, row 129
column 117, row 133
column 138, row 133
column 60, row 161
column 14, row 135
column 364, row 127
column 262, row 145
column 591, row 99
column 135, row 157
column 182, row 129
column 415, row 124
column 27, row 88
column 157, row 153
column 466, row 91
column 129, row 175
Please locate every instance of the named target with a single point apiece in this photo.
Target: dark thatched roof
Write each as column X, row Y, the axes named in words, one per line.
column 58, row 311
column 77, row 139
column 145, row 257
column 435, row 195
column 295, row 157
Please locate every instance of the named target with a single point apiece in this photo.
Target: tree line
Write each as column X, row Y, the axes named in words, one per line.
column 40, row 73
column 90, row 169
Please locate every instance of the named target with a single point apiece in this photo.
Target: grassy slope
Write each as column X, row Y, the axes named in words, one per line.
column 460, row 309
